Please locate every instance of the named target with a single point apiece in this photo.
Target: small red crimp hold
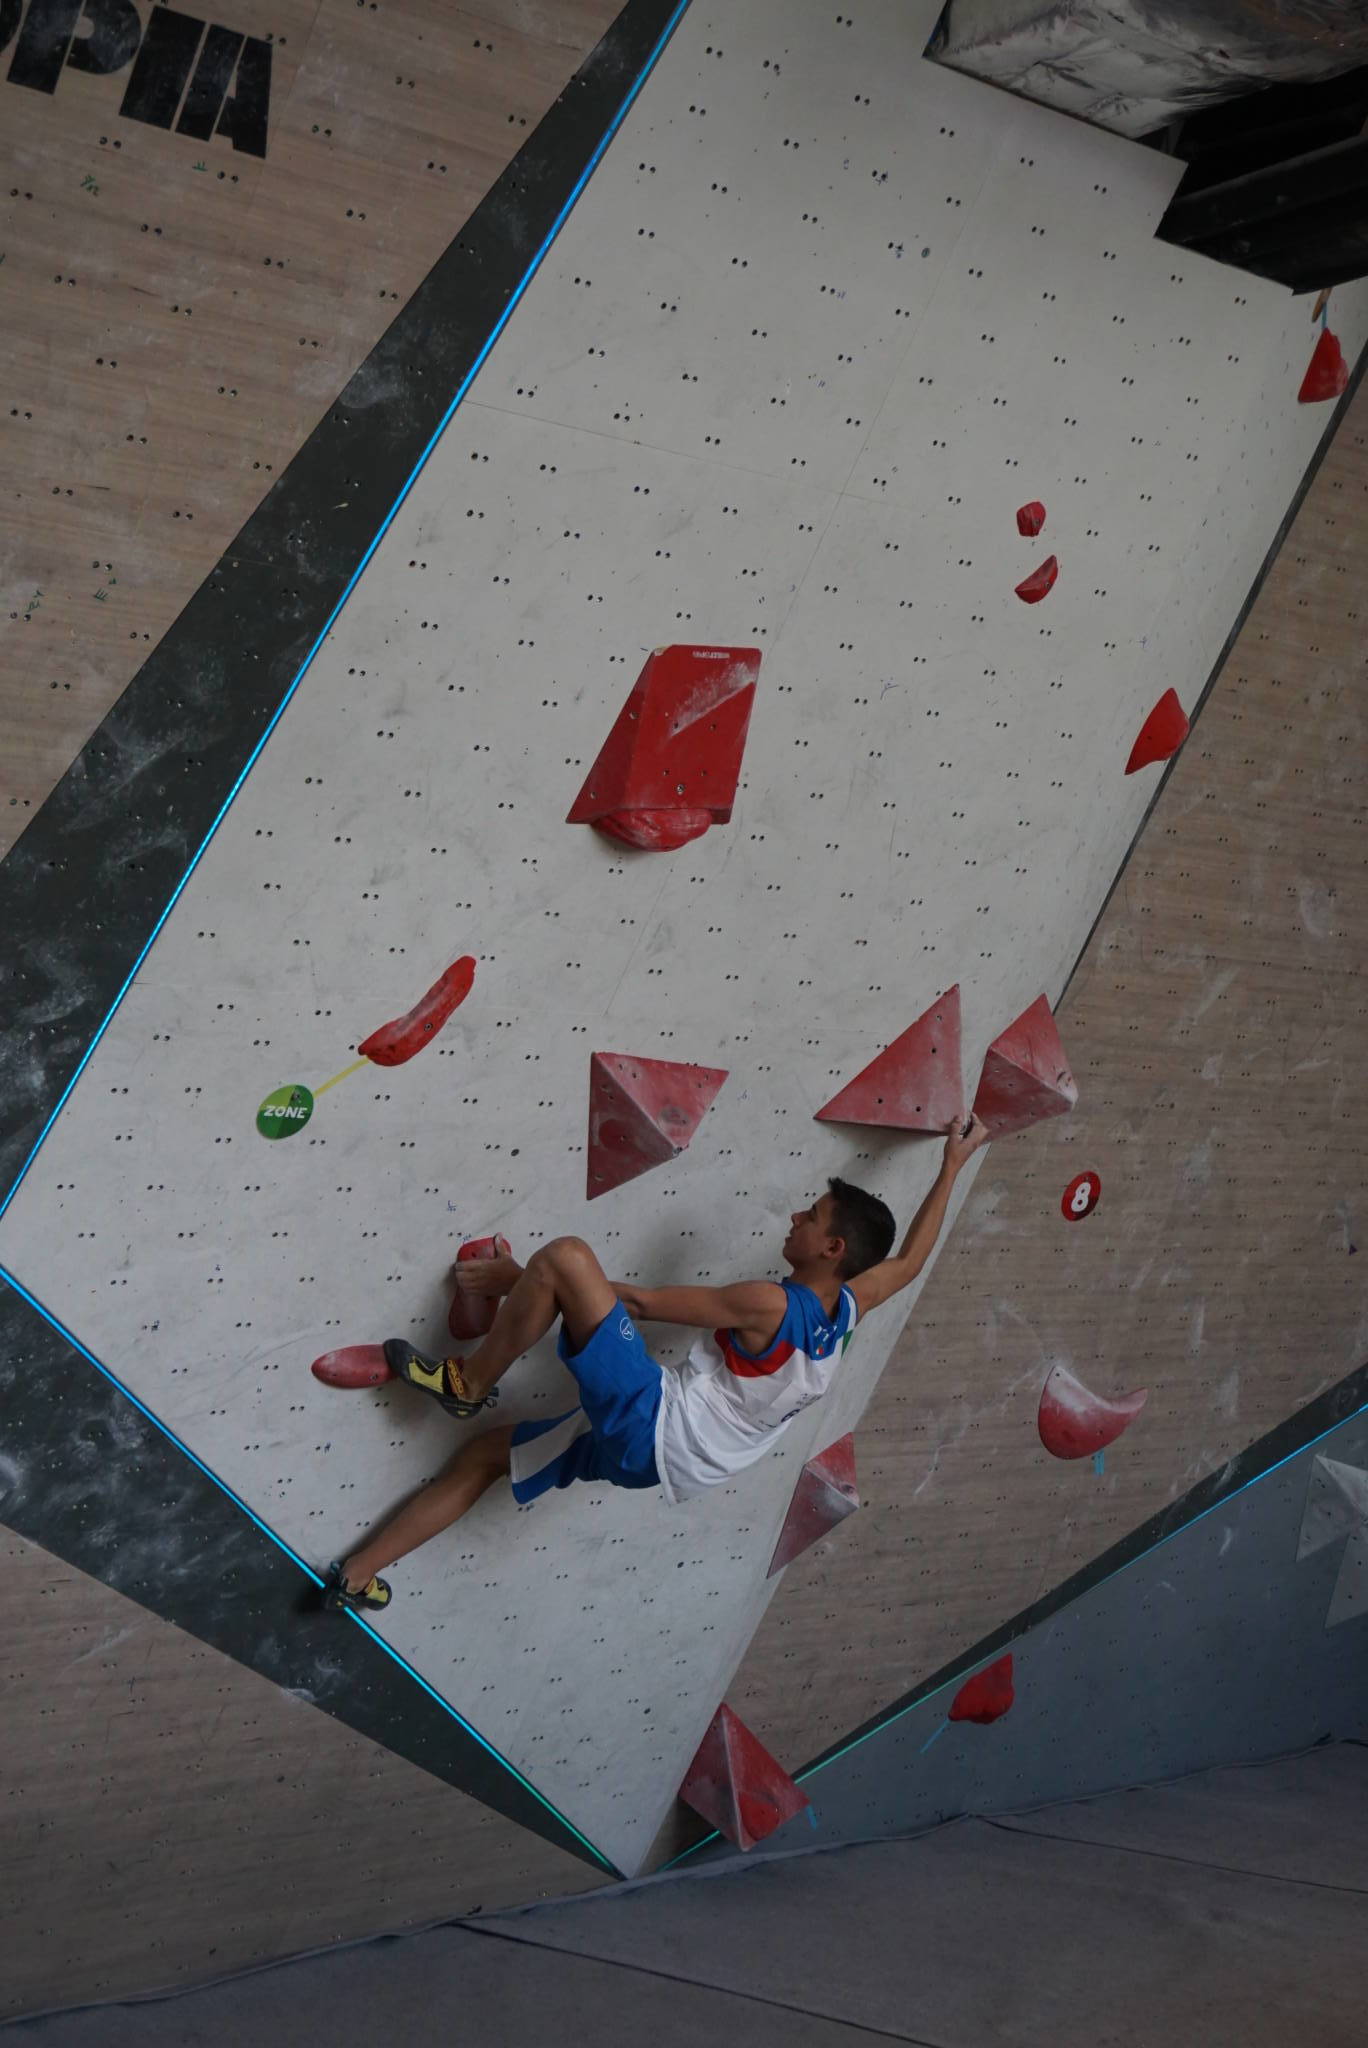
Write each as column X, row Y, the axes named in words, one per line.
column 1040, row 582
column 400, row 1039
column 1327, row 373
column 825, row 1494
column 671, row 764
column 1073, row 1422
column 1161, row 735
column 472, row 1315
column 1031, row 518
column 987, row 1696
column 736, row 1784
column 642, row 1113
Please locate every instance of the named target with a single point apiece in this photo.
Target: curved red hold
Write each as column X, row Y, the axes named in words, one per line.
column 987, row 1695
column 1074, row 1422
column 356, row 1365
column 472, row 1315
column 400, row 1039
column 1161, row 735
column 654, row 831
column 1040, row 582
column 1031, row 518
column 1327, row 373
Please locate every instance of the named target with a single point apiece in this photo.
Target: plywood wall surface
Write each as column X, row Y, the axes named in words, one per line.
column 1217, row 1026
column 171, row 1816
column 178, row 314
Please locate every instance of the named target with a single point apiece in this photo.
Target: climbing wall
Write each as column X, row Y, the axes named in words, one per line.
column 1215, row 1024
column 180, row 305
column 823, row 321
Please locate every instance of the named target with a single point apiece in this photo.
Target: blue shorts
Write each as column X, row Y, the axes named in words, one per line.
column 611, row 1435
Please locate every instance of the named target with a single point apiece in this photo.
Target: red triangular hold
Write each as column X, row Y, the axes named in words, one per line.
column 641, row 1113
column 1040, row 582
column 1031, row 518
column 825, row 1494
column 736, row 1784
column 1161, row 735
column 675, row 749
column 1025, row 1075
column 914, row 1084
column 987, row 1695
column 1327, row 373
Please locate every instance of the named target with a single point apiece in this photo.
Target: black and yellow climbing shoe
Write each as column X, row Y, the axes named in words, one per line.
column 440, row 1377
column 339, row 1599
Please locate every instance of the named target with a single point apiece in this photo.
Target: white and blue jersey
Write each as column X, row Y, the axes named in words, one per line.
column 644, row 1424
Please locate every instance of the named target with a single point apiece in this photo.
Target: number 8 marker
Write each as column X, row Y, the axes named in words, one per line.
column 1081, row 1197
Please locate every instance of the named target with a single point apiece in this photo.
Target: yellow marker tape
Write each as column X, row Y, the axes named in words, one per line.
column 341, row 1077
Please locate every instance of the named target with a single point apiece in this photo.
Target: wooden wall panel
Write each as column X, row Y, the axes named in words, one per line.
column 1217, row 1026
column 172, row 1816
column 176, row 315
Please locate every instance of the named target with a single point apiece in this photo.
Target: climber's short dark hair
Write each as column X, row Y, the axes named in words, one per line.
column 865, row 1223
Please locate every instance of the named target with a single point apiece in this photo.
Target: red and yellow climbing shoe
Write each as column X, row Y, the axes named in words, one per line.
column 338, row 1597
column 440, row 1377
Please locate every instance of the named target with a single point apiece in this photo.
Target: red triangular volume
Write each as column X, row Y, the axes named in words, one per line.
column 1327, row 373
column 1040, row 582
column 1025, row 1075
column 1161, row 735
column 736, row 1784
column 641, row 1113
column 825, row 1494
column 670, row 766
column 987, row 1695
column 915, row 1083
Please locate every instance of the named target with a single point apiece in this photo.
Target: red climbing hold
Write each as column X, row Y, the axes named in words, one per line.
column 987, row 1695
column 356, row 1365
column 1031, row 518
column 670, row 766
column 641, row 1113
column 825, row 1494
column 1161, row 735
column 913, row 1084
column 1327, row 373
column 1040, row 582
column 1074, row 1422
column 472, row 1315
column 1025, row 1075
column 736, row 1784
column 400, row 1039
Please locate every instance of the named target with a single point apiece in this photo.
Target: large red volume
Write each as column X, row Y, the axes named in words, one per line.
column 736, row 1784
column 400, row 1039
column 1075, row 1423
column 914, row 1084
column 641, row 1113
column 1040, row 582
column 1161, row 735
column 987, row 1695
column 670, row 766
column 1327, row 373
column 825, row 1494
column 1025, row 1075
column 472, row 1315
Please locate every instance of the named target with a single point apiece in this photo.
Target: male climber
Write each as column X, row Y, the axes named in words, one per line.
column 775, row 1350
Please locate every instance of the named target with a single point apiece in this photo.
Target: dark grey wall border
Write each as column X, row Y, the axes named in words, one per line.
column 83, row 1471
